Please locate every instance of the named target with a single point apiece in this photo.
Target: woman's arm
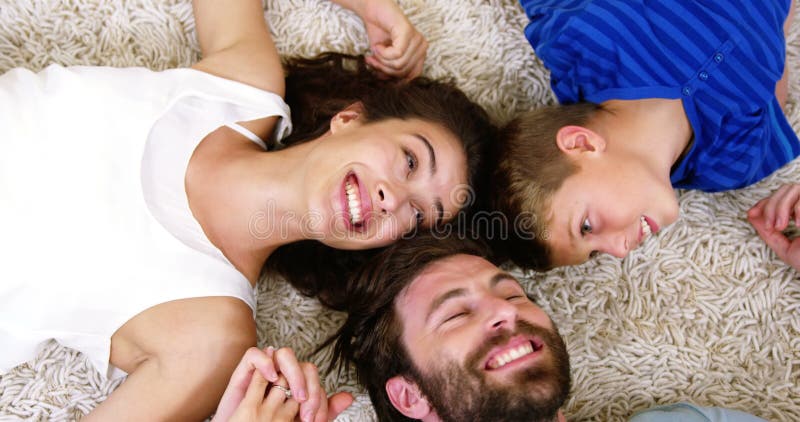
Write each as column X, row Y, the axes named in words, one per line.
column 398, row 49
column 235, row 43
column 179, row 356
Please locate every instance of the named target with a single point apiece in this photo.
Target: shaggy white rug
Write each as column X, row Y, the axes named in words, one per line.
column 703, row 312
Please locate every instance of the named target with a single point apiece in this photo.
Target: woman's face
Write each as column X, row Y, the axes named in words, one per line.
column 373, row 182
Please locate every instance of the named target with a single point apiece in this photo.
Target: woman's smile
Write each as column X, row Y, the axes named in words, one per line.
column 356, row 203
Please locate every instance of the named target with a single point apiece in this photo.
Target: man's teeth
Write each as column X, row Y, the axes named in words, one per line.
column 353, row 203
column 645, row 227
column 511, row 355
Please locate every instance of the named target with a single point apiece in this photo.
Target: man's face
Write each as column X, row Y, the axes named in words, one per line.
column 481, row 349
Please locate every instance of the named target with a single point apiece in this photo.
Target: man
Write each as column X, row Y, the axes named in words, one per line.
column 436, row 333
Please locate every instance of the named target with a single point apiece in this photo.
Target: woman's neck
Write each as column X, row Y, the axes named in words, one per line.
column 243, row 199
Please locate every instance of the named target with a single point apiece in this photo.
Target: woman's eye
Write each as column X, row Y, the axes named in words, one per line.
column 411, row 160
column 586, row 227
column 418, row 216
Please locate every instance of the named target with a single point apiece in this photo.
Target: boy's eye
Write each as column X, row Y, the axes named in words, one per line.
column 593, row 254
column 586, row 227
column 411, row 160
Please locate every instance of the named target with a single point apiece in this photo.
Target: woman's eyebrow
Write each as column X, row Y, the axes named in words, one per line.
column 437, row 202
column 431, row 153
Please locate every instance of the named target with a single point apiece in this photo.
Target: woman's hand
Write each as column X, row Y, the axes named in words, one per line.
column 771, row 215
column 263, row 401
column 398, row 49
column 244, row 398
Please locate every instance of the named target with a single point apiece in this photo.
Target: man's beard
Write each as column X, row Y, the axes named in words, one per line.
column 460, row 394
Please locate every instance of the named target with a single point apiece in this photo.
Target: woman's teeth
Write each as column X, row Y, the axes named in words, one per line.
column 353, row 203
column 645, row 227
column 511, row 355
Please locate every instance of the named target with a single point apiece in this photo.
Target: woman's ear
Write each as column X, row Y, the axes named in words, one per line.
column 407, row 398
column 576, row 139
column 352, row 116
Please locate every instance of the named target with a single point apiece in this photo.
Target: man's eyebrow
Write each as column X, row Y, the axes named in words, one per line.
column 451, row 294
column 501, row 276
column 439, row 301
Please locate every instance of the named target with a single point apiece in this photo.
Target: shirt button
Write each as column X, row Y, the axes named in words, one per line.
column 686, row 90
column 719, row 57
column 703, row 75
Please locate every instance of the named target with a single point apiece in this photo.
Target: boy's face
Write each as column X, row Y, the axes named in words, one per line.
column 609, row 206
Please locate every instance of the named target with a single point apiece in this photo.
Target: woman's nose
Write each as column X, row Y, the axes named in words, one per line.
column 390, row 198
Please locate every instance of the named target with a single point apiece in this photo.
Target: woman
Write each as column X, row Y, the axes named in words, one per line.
column 152, row 193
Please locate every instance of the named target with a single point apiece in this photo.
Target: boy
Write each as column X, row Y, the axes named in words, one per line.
column 658, row 95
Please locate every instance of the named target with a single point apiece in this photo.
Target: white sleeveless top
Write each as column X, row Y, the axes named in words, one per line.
column 95, row 225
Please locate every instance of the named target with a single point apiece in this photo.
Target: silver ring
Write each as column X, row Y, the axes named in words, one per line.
column 285, row 390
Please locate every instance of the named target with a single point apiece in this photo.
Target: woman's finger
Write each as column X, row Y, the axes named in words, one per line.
column 338, row 403
column 286, row 412
column 287, row 364
column 316, row 394
column 276, row 396
column 255, row 392
column 402, row 62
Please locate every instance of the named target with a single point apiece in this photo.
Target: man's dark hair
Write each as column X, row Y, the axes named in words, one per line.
column 371, row 336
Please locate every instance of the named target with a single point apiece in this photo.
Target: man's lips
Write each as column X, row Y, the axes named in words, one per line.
column 518, row 350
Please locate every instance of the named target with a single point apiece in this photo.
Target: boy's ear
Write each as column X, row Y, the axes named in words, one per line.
column 407, row 398
column 352, row 116
column 576, row 139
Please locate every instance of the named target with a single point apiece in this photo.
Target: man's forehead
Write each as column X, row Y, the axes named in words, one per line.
column 448, row 273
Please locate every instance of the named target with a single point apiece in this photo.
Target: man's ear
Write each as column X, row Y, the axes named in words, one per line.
column 351, row 116
column 407, row 398
column 576, row 139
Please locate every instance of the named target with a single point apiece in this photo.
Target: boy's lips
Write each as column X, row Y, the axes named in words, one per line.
column 519, row 350
column 653, row 226
column 646, row 227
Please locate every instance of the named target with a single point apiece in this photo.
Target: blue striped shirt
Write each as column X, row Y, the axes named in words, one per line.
column 722, row 58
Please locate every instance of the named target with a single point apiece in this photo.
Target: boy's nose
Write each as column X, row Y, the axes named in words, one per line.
column 616, row 244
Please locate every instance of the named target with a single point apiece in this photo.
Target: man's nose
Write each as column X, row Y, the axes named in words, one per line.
column 500, row 314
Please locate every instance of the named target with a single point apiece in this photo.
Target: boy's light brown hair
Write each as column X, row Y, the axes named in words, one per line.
column 530, row 169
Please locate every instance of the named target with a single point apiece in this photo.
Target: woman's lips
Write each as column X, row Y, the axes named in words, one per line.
column 356, row 203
